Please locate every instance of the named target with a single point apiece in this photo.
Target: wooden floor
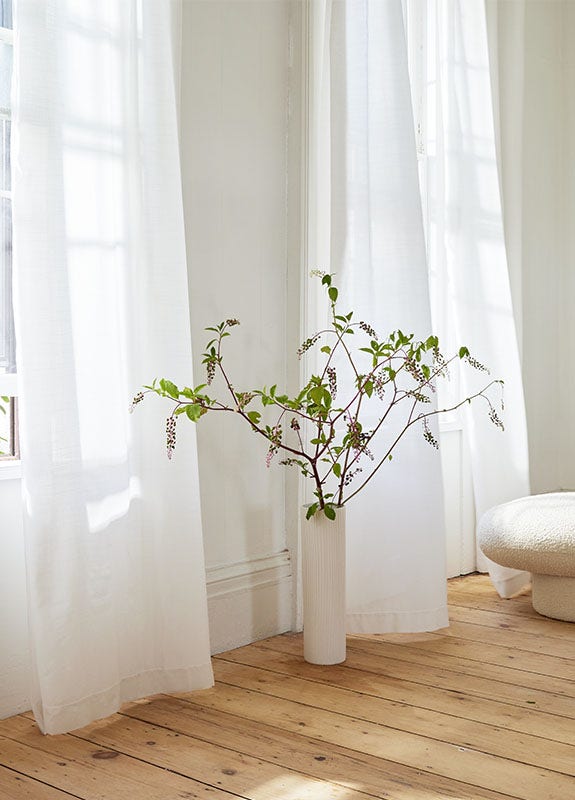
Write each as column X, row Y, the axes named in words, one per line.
column 483, row 709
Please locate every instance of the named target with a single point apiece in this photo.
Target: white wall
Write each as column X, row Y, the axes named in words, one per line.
column 532, row 42
column 567, row 374
column 13, row 628
column 234, row 145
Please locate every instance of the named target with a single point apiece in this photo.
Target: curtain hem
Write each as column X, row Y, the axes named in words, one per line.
column 62, row 719
column 397, row 621
column 507, row 587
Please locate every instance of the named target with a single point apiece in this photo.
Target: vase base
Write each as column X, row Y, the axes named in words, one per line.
column 324, row 662
column 324, row 657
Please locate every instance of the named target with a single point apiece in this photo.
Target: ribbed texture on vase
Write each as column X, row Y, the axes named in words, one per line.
column 323, row 579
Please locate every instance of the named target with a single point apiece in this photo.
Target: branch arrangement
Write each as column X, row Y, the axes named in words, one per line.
column 319, row 434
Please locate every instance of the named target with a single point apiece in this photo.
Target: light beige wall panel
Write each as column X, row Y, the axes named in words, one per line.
column 543, row 239
column 234, row 126
column 567, row 342
column 14, row 653
column 535, row 78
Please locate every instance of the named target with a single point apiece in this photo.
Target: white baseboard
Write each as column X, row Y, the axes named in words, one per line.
column 14, row 684
column 249, row 600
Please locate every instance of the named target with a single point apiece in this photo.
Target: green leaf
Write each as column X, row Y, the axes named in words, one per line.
column 336, row 469
column 368, row 388
column 194, row 412
column 311, row 510
column 316, row 394
column 329, row 511
column 169, row 388
column 254, row 417
column 326, row 280
column 326, row 349
column 463, row 351
column 332, row 292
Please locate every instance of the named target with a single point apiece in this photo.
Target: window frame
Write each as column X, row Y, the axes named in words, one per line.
column 9, row 380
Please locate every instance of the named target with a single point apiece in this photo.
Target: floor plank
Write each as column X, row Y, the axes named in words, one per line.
column 482, row 710
column 402, row 721
column 517, row 606
column 460, row 763
column 455, row 675
column 498, row 663
column 355, row 676
column 374, row 776
column 495, row 648
column 15, row 786
column 541, row 627
column 91, row 772
column 238, row 773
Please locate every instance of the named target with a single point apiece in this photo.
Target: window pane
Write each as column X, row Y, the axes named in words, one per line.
column 4, row 427
column 6, row 14
column 5, row 76
column 7, row 340
column 8, row 436
column 5, row 179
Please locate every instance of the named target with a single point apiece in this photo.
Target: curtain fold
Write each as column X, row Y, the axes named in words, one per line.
column 116, row 584
column 366, row 227
column 466, row 250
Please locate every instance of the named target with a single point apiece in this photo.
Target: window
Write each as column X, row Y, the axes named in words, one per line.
column 420, row 25
column 421, row 32
column 8, row 381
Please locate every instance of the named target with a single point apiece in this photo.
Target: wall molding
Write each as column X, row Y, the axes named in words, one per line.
column 249, row 600
column 243, row 576
column 10, row 469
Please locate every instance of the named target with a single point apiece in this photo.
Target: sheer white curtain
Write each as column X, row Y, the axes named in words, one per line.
column 116, row 587
column 365, row 225
column 466, row 247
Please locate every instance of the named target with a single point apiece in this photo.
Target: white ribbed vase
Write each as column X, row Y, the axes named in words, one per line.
column 323, row 583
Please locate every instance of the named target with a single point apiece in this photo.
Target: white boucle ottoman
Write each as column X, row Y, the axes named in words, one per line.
column 536, row 534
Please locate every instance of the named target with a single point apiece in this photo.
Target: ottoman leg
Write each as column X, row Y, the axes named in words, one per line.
column 554, row 596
